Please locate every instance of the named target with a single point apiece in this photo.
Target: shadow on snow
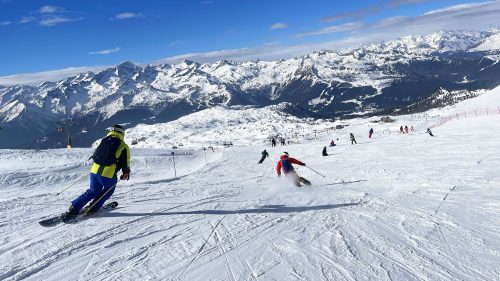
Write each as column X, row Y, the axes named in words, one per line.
column 163, row 180
column 263, row 209
column 343, row 182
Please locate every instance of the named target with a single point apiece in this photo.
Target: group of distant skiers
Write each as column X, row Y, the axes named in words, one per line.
column 405, row 129
column 285, row 162
column 282, row 141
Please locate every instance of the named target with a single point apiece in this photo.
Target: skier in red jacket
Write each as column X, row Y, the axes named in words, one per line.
column 285, row 164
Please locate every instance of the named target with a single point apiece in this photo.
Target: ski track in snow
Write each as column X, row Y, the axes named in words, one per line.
column 395, row 207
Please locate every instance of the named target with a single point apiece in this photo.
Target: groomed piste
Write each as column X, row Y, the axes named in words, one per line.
column 392, row 207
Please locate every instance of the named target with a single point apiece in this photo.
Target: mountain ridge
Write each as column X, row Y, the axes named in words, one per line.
column 369, row 79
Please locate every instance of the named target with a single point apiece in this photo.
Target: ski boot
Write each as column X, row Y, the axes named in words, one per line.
column 70, row 215
column 86, row 212
column 304, row 181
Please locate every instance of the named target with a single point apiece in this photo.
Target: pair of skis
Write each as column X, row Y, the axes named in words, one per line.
column 63, row 218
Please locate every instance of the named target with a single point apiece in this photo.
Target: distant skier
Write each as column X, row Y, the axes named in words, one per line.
column 332, row 143
column 429, row 132
column 285, row 164
column 324, row 151
column 370, row 133
column 353, row 139
column 401, row 130
column 273, row 142
column 264, row 155
column 406, row 129
column 411, row 128
column 110, row 156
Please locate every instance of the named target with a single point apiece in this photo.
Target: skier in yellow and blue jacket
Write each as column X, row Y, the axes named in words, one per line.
column 112, row 155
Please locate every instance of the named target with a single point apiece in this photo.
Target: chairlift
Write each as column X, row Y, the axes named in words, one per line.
column 60, row 129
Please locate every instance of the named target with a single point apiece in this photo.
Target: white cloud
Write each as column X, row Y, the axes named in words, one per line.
column 278, row 25
column 48, row 16
column 175, row 43
column 474, row 16
column 456, row 8
column 52, row 75
column 373, row 9
column 123, row 16
column 334, row 29
column 27, row 19
column 264, row 52
column 388, row 22
column 49, row 9
column 4, row 23
column 105, row 52
column 54, row 20
column 464, row 16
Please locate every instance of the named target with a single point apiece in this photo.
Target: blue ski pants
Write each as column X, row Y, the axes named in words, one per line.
column 98, row 186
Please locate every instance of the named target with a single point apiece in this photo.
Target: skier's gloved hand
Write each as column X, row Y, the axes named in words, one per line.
column 125, row 176
column 302, row 164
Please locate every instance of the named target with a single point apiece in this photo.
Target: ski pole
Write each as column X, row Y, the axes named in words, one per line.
column 72, row 184
column 95, row 202
column 315, row 171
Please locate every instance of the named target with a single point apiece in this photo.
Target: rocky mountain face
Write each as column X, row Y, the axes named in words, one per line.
column 367, row 80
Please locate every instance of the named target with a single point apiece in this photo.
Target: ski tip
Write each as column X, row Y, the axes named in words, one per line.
column 45, row 223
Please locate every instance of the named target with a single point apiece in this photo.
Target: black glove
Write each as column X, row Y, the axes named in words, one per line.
column 125, row 176
column 302, row 164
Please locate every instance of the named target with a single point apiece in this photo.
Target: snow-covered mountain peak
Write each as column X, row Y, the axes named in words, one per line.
column 127, row 70
column 187, row 64
column 442, row 41
column 323, row 84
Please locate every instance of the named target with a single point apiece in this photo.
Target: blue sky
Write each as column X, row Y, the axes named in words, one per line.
column 67, row 36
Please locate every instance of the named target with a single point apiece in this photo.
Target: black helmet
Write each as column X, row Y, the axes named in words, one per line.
column 118, row 128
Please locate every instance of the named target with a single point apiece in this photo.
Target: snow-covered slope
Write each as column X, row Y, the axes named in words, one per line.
column 489, row 99
column 216, row 125
column 368, row 79
column 491, row 43
column 394, row 207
